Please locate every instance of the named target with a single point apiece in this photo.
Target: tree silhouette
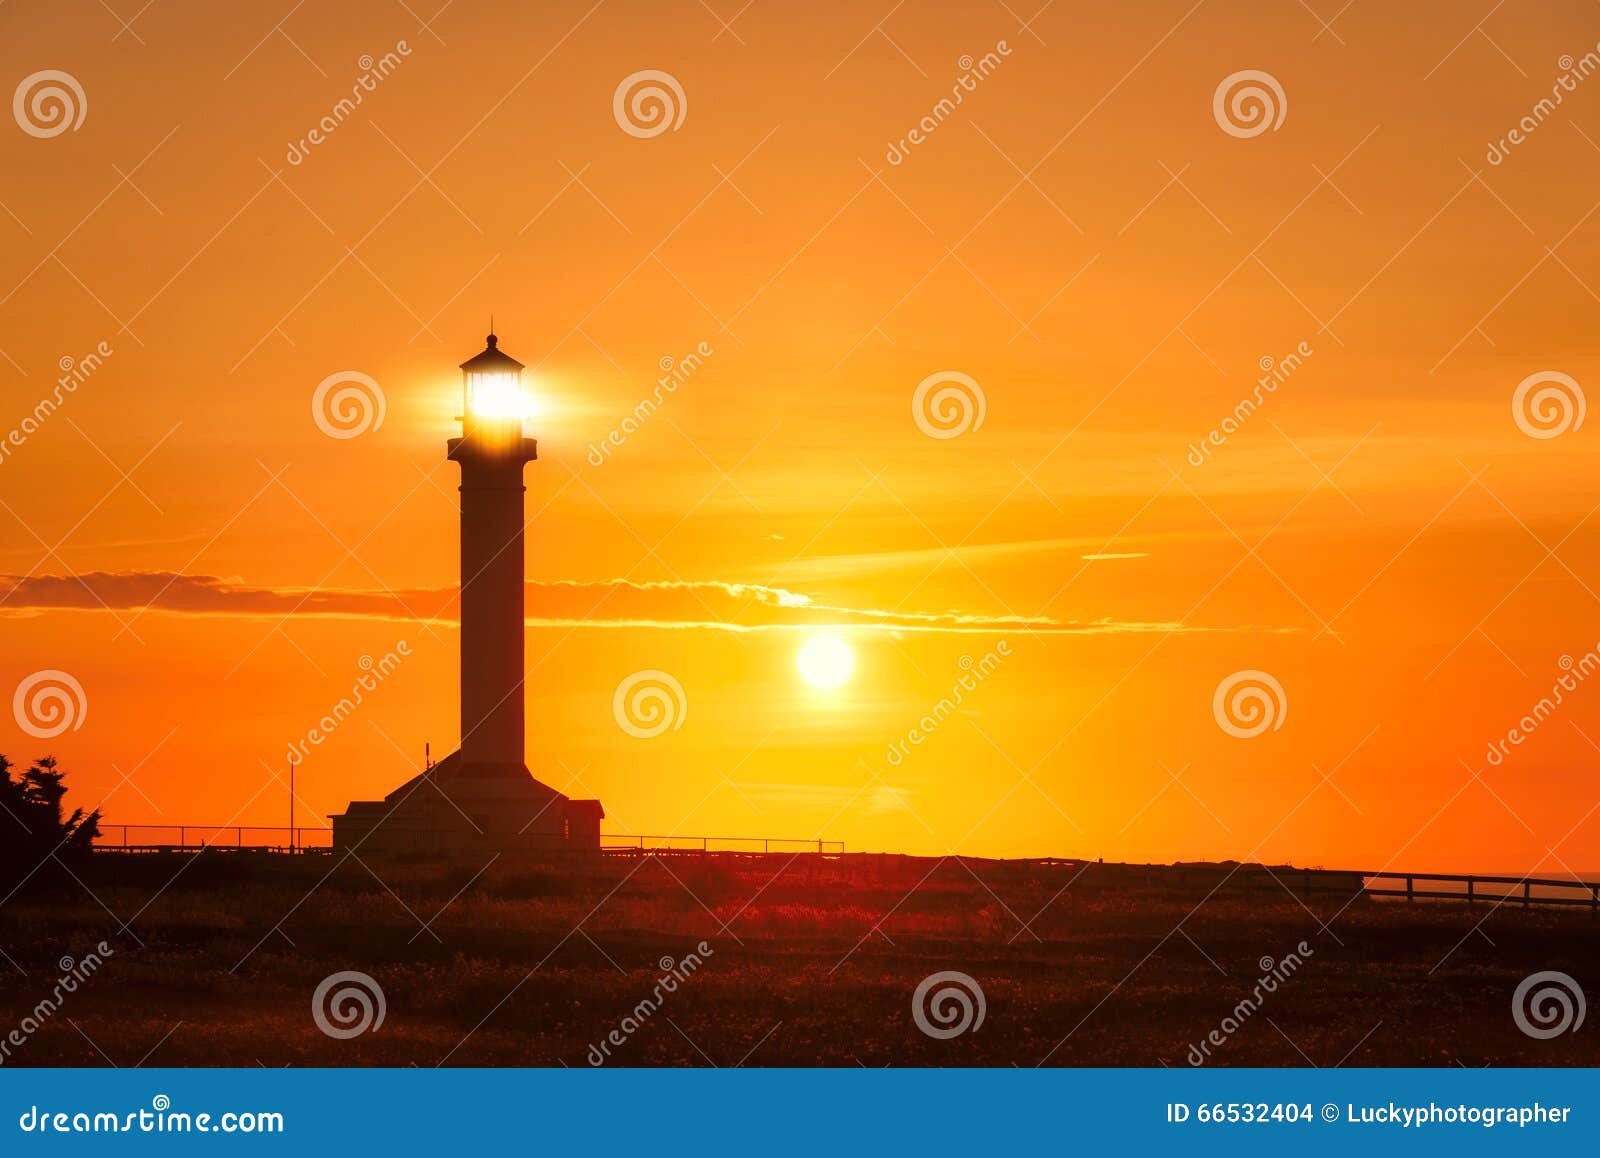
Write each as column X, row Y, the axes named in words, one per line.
column 33, row 818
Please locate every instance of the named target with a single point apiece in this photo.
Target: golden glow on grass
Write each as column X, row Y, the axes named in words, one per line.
column 825, row 661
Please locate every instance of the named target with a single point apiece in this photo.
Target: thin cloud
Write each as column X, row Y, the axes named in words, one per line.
column 610, row 603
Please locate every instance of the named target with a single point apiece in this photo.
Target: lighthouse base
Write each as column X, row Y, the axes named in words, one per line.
column 455, row 809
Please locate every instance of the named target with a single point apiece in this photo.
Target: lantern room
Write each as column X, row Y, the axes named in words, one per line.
column 492, row 398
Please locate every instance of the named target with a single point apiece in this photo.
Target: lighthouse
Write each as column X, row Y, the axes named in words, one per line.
column 482, row 796
column 491, row 452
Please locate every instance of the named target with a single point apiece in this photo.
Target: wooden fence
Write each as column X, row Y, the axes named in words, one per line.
column 1523, row 891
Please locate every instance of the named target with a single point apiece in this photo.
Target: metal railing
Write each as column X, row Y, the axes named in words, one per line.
column 626, row 844
column 155, row 838
column 201, row 837
column 1473, row 888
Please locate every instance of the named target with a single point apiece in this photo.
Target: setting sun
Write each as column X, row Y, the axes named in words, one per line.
column 825, row 661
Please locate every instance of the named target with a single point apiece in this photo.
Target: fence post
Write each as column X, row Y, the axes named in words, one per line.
column 182, row 837
column 1411, row 889
column 1469, row 890
column 1527, row 893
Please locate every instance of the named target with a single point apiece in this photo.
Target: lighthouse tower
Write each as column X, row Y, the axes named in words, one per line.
column 482, row 796
column 491, row 452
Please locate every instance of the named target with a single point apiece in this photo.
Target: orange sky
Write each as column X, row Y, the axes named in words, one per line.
column 1079, row 235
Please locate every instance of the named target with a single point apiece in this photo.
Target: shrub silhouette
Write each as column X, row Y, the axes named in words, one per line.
column 39, row 837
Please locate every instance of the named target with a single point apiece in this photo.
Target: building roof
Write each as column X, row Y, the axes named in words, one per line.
column 491, row 360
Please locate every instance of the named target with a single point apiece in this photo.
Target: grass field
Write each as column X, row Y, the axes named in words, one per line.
column 809, row 962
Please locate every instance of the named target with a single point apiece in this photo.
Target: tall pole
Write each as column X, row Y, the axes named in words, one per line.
column 291, row 803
